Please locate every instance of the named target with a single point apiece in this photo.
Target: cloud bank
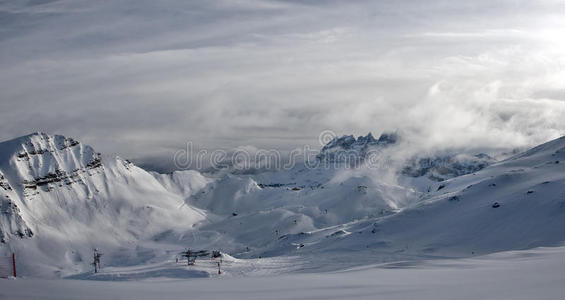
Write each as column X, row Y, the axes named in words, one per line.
column 141, row 78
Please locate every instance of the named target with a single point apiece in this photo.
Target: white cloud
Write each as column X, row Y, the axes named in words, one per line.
column 143, row 77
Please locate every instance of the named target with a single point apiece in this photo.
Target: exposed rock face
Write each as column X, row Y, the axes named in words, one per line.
column 4, row 184
column 351, row 150
column 11, row 221
column 440, row 168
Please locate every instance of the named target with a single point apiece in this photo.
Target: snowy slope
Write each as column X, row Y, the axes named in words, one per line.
column 60, row 199
column 249, row 212
column 185, row 183
column 262, row 214
column 459, row 217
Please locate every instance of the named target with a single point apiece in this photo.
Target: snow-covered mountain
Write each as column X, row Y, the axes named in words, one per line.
column 60, row 199
column 518, row 203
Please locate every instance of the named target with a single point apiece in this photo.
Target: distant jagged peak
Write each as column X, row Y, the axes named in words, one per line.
column 353, row 150
column 349, row 141
column 388, row 138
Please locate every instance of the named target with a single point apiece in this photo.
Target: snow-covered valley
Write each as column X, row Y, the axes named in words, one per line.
column 61, row 199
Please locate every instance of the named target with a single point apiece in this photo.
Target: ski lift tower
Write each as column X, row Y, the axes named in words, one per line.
column 96, row 260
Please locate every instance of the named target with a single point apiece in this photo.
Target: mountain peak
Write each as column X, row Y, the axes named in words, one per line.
column 35, row 144
column 38, row 159
column 388, row 138
column 348, row 145
column 349, row 141
column 368, row 139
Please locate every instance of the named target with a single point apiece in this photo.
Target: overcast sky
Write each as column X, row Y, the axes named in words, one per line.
column 141, row 78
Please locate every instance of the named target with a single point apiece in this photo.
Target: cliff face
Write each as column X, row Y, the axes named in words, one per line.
column 349, row 149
